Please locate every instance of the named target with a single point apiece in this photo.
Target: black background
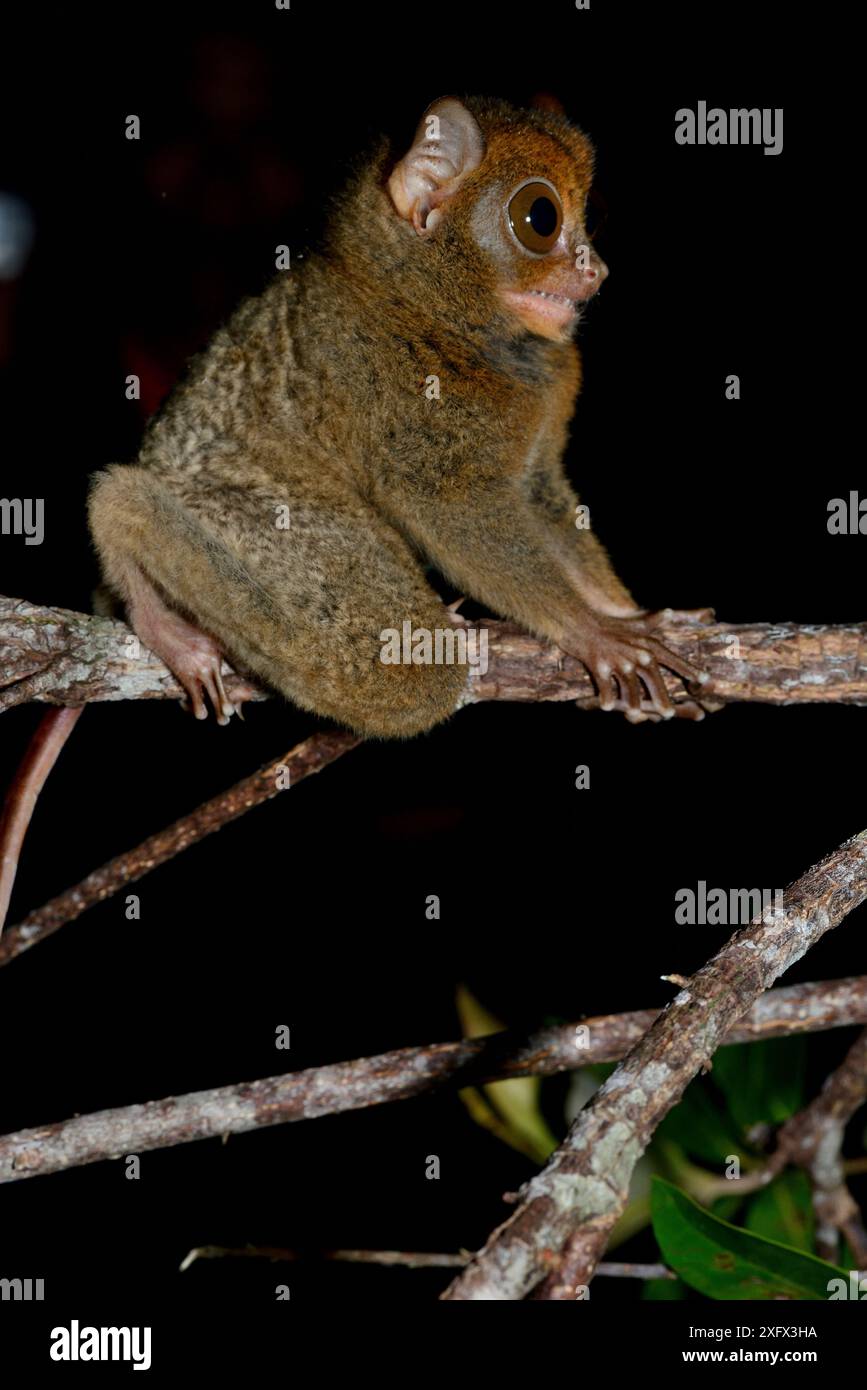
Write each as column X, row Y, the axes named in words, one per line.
column 310, row 911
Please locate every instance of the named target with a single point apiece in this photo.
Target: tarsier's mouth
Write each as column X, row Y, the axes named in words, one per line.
column 543, row 311
column 563, row 301
column 559, row 298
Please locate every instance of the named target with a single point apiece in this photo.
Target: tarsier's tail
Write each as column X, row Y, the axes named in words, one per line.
column 42, row 753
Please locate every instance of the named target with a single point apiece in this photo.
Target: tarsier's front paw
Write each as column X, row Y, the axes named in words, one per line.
column 624, row 658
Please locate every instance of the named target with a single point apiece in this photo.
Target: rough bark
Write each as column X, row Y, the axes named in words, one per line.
column 393, row 1076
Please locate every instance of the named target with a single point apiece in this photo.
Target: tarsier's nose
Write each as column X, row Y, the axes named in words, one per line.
column 590, row 277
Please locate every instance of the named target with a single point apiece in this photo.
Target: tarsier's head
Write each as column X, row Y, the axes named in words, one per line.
column 508, row 188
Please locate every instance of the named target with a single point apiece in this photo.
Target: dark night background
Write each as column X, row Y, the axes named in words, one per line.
column 310, row 911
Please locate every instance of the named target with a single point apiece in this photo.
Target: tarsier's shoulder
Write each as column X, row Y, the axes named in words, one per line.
column 262, row 316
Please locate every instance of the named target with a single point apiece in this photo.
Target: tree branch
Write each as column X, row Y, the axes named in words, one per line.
column 571, row 1206
column 402, row 1259
column 53, row 655
column 814, row 1140
column 302, row 761
column 393, row 1076
column 60, row 657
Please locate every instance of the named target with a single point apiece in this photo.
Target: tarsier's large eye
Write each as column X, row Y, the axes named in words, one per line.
column 536, row 216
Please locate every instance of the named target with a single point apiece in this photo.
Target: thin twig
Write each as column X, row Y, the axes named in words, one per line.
column 814, row 1139
column 392, row 1076
column 403, row 1259
column 302, row 761
column 620, row 1269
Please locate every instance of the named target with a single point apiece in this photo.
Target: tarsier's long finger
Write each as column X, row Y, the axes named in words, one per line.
column 659, row 696
column 689, row 615
column 681, row 667
column 644, row 622
column 643, row 713
column 210, row 686
column 663, row 616
column 648, row 714
column 630, row 689
column 689, row 709
column 223, row 706
column 602, row 675
column 195, row 699
column 708, row 704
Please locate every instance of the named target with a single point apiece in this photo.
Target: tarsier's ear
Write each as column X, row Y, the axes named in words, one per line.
column 447, row 146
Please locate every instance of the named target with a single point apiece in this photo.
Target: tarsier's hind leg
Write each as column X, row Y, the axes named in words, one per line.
column 194, row 657
column 301, row 607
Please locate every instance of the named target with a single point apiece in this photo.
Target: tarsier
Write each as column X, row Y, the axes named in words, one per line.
column 465, row 261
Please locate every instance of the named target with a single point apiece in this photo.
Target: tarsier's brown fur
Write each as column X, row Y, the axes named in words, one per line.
column 313, row 398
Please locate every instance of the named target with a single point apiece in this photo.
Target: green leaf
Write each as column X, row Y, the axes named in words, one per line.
column 509, row 1109
column 763, row 1082
column 700, row 1128
column 726, row 1207
column 724, row 1262
column 783, row 1211
column 600, row 1071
